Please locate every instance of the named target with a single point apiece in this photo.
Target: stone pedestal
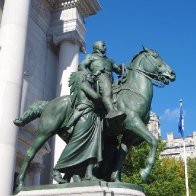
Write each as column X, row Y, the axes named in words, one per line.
column 95, row 188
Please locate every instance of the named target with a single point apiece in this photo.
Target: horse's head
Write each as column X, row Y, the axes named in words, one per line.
column 151, row 64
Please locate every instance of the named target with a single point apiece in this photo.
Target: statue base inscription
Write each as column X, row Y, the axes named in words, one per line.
column 85, row 188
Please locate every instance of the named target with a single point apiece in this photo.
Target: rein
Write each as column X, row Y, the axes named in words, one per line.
column 157, row 83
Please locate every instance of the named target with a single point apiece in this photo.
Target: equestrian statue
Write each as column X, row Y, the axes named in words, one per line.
column 95, row 113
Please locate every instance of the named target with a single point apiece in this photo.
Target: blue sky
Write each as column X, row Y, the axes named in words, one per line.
column 167, row 26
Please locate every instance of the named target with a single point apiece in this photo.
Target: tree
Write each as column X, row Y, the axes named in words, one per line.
column 192, row 175
column 167, row 176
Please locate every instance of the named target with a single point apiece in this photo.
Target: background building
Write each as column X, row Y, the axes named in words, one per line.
column 174, row 146
column 40, row 43
column 154, row 125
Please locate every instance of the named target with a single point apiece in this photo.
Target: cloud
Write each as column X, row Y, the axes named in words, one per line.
column 170, row 114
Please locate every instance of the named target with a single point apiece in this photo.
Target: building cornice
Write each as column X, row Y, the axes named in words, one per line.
column 72, row 36
column 85, row 7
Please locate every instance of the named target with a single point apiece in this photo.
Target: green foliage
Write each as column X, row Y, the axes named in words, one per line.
column 192, row 175
column 167, row 176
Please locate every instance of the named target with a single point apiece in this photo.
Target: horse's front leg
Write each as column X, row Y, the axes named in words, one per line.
column 138, row 127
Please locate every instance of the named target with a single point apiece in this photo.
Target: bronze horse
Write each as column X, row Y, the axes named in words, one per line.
column 134, row 96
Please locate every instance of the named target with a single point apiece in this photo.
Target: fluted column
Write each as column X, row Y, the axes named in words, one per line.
column 13, row 39
column 68, row 62
column 68, row 32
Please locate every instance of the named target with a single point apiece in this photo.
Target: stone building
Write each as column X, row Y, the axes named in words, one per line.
column 174, row 146
column 154, row 125
column 40, row 44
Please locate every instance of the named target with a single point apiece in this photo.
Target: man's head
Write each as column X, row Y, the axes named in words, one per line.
column 99, row 47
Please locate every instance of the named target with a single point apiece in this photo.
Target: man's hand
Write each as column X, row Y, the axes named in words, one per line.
column 122, row 67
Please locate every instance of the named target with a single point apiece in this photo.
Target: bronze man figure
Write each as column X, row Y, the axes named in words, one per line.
column 102, row 66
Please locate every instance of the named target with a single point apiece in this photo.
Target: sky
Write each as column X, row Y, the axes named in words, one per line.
column 169, row 26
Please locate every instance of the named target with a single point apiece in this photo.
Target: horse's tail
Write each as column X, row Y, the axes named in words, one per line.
column 33, row 111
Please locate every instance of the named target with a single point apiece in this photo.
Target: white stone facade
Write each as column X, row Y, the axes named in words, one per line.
column 40, row 41
column 174, row 147
column 1, row 9
column 154, row 125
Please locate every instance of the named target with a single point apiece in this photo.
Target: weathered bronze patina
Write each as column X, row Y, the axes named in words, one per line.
column 96, row 113
column 101, row 66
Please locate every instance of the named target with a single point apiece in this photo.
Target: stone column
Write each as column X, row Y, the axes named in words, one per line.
column 1, row 10
column 68, row 31
column 36, row 169
column 68, row 35
column 13, row 39
column 68, row 62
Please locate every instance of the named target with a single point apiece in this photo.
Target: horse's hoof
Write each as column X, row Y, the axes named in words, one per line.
column 58, row 178
column 76, row 178
column 18, row 188
column 115, row 177
column 144, row 174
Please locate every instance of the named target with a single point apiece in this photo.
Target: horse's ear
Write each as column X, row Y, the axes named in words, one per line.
column 144, row 49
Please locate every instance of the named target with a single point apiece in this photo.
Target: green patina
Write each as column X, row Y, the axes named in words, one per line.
column 85, row 119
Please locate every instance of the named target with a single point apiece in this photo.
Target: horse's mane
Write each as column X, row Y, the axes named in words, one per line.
column 74, row 83
column 136, row 55
column 131, row 64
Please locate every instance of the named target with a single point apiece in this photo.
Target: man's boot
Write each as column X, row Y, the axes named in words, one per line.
column 112, row 114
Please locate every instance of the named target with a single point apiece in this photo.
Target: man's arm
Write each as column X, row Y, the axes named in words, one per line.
column 116, row 68
column 89, row 91
column 85, row 64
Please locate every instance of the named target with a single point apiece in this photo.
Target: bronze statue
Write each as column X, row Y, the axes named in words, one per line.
column 55, row 115
column 84, row 147
column 102, row 66
column 65, row 116
column 134, row 97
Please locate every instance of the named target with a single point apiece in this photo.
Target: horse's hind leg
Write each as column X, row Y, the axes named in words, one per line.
column 37, row 144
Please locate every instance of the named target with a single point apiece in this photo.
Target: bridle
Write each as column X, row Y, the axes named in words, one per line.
column 156, row 82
